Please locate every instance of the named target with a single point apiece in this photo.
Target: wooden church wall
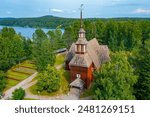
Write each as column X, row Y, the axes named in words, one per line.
column 86, row 74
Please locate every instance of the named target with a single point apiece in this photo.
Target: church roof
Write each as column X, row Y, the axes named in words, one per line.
column 78, row 82
column 82, row 60
column 71, row 52
column 96, row 54
column 82, row 30
column 81, row 41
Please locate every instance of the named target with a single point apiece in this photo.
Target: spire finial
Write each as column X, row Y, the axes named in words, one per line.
column 81, row 8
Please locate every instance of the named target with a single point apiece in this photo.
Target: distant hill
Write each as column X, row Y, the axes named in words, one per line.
column 44, row 21
column 50, row 21
column 6, row 18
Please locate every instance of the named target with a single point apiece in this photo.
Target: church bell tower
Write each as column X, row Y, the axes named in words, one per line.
column 81, row 44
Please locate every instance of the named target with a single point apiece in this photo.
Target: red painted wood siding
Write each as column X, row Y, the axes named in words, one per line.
column 86, row 74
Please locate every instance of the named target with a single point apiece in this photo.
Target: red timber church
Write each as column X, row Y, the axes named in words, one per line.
column 83, row 58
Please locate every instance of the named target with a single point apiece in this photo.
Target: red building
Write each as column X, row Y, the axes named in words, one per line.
column 83, row 58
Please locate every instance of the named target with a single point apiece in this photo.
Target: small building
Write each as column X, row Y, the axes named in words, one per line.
column 83, row 58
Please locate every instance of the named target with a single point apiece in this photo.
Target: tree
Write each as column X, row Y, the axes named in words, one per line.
column 68, row 36
column 48, row 80
column 142, row 88
column 115, row 79
column 2, row 81
column 27, row 47
column 18, row 94
column 55, row 37
column 11, row 48
column 43, row 53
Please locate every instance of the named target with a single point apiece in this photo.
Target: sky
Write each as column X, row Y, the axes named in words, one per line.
column 70, row 8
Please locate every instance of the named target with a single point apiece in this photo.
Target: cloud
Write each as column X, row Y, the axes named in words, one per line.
column 56, row 10
column 142, row 11
column 8, row 12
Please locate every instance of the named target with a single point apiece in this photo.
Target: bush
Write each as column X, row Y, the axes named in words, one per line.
column 18, row 94
column 2, row 81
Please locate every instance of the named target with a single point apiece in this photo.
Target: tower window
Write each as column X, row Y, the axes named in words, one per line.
column 83, row 48
column 81, row 35
column 78, row 48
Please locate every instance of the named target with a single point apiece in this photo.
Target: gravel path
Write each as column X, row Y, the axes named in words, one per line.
column 72, row 95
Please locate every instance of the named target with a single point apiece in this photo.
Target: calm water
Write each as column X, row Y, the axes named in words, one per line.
column 26, row 31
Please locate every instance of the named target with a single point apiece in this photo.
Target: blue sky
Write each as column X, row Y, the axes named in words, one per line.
column 70, row 8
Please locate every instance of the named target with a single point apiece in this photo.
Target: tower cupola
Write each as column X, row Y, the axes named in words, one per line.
column 81, row 44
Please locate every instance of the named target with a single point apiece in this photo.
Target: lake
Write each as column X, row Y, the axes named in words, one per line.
column 27, row 31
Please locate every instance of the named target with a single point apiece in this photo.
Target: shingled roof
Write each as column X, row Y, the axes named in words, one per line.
column 83, row 60
column 70, row 53
column 96, row 54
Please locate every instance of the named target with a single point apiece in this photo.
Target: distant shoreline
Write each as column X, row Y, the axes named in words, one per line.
column 27, row 31
column 52, row 22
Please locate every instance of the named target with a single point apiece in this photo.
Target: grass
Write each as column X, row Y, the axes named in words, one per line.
column 62, row 90
column 19, row 73
column 32, row 66
column 60, row 59
column 16, row 75
column 65, row 74
column 11, row 83
column 87, row 93
column 64, row 80
column 24, row 70
column 29, row 99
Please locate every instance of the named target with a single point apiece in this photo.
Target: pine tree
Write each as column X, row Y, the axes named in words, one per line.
column 142, row 88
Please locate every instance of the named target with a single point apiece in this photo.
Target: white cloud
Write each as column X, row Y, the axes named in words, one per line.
column 142, row 11
column 56, row 10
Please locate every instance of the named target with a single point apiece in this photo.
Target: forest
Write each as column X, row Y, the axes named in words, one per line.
column 50, row 21
column 126, row 76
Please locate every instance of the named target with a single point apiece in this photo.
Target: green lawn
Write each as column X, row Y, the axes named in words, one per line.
column 60, row 59
column 62, row 90
column 11, row 83
column 17, row 75
column 18, row 72
column 24, row 70
column 26, row 64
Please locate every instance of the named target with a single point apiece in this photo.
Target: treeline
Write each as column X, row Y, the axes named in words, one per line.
column 52, row 21
column 39, row 22
column 118, row 35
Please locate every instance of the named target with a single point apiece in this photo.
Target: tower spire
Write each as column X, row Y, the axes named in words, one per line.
column 81, row 8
